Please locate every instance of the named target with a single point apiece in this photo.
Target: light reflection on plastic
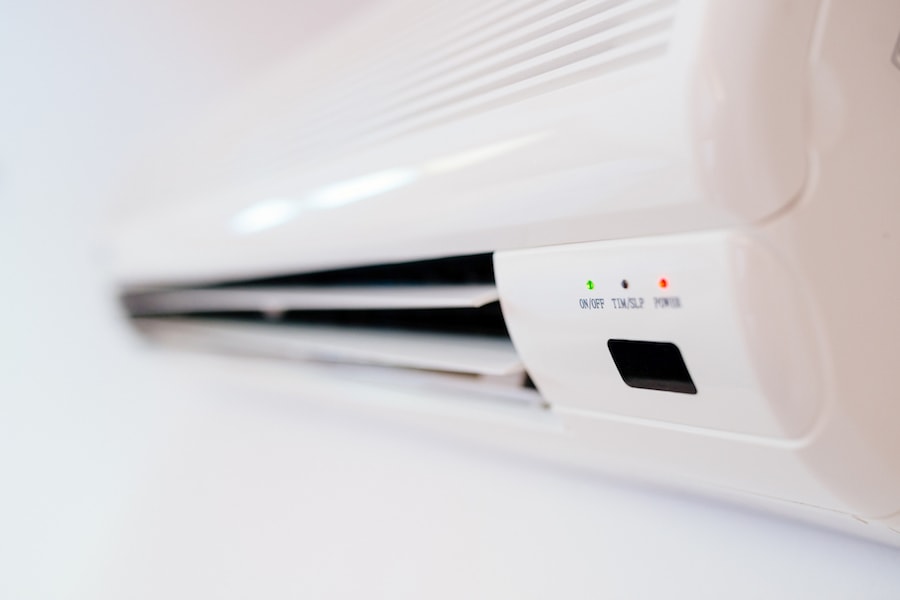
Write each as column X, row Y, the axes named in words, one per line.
column 367, row 186
column 461, row 160
column 278, row 211
column 263, row 215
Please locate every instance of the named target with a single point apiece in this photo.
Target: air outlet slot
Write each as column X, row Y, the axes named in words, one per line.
column 443, row 352
column 435, row 315
column 453, row 270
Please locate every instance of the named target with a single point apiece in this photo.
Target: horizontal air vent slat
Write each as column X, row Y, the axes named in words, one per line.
column 440, row 316
column 476, row 355
column 281, row 299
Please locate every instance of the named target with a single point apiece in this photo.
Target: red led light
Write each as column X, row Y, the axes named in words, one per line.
column 664, row 283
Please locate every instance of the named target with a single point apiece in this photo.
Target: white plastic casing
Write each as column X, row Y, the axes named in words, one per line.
column 740, row 320
column 795, row 314
column 535, row 124
column 747, row 152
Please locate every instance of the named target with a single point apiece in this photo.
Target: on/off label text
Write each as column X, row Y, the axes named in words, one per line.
column 591, row 303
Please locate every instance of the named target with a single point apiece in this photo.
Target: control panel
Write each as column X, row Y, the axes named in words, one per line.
column 674, row 329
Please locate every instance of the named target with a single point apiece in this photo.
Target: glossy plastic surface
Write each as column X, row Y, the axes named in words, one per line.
column 736, row 315
column 551, row 124
column 744, row 152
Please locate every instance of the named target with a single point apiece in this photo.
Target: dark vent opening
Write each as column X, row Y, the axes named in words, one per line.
column 454, row 270
column 486, row 320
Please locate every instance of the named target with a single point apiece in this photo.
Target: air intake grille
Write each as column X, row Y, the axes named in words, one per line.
column 436, row 63
column 530, row 51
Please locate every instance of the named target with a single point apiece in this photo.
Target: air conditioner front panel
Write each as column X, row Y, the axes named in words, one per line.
column 636, row 118
column 690, row 209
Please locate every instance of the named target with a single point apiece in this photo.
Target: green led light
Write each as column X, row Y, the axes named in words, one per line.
column 589, row 284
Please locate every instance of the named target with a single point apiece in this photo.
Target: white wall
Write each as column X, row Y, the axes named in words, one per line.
column 126, row 475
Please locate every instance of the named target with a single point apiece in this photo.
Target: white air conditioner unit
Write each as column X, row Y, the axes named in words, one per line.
column 654, row 235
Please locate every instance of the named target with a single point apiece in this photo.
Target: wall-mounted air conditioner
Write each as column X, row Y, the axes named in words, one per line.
column 669, row 228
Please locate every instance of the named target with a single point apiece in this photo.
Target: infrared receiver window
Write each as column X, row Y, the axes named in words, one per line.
column 651, row 366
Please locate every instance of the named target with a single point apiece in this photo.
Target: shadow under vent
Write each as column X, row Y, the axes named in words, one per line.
column 437, row 315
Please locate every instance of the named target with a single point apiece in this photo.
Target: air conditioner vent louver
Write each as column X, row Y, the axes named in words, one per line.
column 437, row 315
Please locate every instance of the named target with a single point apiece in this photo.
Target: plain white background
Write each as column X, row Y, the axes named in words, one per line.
column 125, row 474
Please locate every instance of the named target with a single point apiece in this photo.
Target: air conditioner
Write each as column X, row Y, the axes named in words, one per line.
column 653, row 236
